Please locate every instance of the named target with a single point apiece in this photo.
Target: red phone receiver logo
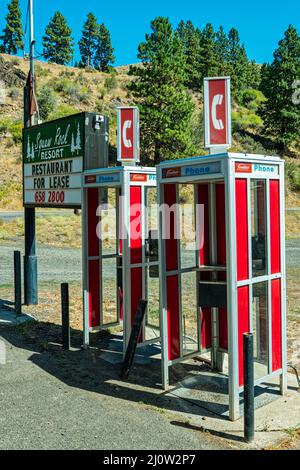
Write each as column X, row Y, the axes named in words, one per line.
column 126, row 141
column 128, row 134
column 217, row 123
column 217, row 112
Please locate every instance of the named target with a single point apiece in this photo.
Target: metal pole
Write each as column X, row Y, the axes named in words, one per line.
column 31, row 35
column 248, row 388
column 30, row 259
column 65, row 316
column 17, row 279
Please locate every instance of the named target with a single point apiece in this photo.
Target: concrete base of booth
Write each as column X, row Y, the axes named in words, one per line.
column 8, row 316
column 113, row 352
column 209, row 390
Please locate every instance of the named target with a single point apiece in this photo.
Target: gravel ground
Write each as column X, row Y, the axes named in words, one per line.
column 54, row 264
column 64, row 264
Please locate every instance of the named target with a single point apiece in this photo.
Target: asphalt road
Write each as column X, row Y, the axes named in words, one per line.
column 64, row 264
column 57, row 400
column 8, row 216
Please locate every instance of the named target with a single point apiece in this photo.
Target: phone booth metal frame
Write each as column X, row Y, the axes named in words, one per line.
column 133, row 263
column 226, row 185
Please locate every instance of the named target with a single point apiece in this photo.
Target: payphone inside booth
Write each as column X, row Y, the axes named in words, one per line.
column 120, row 250
column 222, row 265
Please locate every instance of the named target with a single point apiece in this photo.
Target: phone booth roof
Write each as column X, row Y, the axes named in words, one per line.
column 215, row 167
column 119, row 176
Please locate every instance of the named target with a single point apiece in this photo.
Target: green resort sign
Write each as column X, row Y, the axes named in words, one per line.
column 53, row 156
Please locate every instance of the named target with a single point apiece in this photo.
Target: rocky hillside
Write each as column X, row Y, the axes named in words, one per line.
column 66, row 90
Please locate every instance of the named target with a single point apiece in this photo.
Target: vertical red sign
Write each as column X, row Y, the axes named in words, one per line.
column 128, row 134
column 217, row 112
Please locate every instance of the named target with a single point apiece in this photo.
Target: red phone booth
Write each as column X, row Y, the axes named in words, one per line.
column 222, row 264
column 120, row 250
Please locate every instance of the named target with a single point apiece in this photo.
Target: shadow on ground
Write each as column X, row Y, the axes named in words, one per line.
column 8, row 306
column 85, row 369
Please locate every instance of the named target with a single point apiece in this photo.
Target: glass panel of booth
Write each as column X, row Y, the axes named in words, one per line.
column 151, row 268
column 187, row 266
column 152, row 318
column 109, row 291
column 190, row 317
column 187, row 225
column 108, row 220
column 260, row 328
column 258, row 227
column 108, row 238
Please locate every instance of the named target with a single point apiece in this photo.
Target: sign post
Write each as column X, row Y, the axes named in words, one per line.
column 30, row 118
column 128, row 135
column 217, row 114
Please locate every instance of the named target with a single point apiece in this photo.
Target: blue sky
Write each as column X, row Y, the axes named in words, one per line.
column 260, row 23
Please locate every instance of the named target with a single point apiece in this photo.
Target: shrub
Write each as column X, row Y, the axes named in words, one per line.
column 110, row 83
column 67, row 73
column 14, row 128
column 244, row 119
column 292, row 173
column 15, row 61
column 102, row 93
column 5, row 124
column 112, row 70
column 77, row 94
column 47, row 102
column 90, row 69
column 252, row 99
column 14, row 94
column 100, row 106
column 81, row 79
column 247, row 144
column 62, row 110
column 9, row 190
column 41, row 71
column 16, row 132
column 60, row 86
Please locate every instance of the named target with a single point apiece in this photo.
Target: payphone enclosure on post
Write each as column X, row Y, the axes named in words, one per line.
column 120, row 250
column 222, row 264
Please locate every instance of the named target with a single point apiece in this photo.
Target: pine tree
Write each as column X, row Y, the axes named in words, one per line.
column 190, row 38
column 104, row 56
column 253, row 75
column 237, row 62
column 166, row 109
column 222, row 53
column 282, row 116
column 209, row 57
column 12, row 39
column 57, row 41
column 88, row 42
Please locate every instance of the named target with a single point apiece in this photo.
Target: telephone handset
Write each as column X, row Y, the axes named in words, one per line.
column 217, row 123
column 127, row 142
